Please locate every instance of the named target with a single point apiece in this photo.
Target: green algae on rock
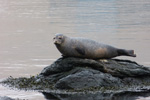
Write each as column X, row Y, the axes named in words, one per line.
column 24, row 83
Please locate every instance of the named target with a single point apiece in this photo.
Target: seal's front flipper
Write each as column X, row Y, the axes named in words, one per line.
column 81, row 51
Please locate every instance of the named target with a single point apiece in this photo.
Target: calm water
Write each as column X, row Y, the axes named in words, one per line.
column 28, row 26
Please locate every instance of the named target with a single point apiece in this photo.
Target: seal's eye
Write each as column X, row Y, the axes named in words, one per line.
column 54, row 38
column 60, row 38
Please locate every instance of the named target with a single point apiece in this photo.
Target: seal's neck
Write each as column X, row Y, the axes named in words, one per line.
column 65, row 38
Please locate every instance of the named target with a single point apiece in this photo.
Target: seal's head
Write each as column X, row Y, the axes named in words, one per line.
column 58, row 39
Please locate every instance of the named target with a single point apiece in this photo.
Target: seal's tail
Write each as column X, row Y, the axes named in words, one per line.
column 126, row 52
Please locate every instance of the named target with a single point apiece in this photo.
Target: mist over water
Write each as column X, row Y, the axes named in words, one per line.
column 27, row 28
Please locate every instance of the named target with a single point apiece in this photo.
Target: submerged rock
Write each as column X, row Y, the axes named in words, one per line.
column 80, row 75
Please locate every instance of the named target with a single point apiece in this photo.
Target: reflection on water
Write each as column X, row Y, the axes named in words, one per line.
column 27, row 28
column 20, row 95
column 96, row 96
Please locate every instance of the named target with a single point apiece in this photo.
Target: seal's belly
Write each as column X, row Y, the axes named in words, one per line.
column 96, row 53
column 92, row 53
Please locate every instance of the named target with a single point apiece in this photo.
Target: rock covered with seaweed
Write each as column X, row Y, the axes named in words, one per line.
column 80, row 75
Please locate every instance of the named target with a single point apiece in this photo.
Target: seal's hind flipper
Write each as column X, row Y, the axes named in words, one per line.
column 131, row 53
column 122, row 52
column 80, row 51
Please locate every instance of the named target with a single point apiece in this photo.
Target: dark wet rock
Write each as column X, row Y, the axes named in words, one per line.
column 87, row 78
column 82, row 75
column 118, row 68
column 78, row 73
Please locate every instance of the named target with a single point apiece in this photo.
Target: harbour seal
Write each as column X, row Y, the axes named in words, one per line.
column 86, row 48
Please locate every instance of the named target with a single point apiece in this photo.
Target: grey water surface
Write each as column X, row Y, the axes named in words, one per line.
column 27, row 28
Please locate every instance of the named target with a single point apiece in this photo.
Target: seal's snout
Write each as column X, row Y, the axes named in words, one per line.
column 55, row 40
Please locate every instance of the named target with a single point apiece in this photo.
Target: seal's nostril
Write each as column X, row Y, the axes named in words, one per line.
column 55, row 42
